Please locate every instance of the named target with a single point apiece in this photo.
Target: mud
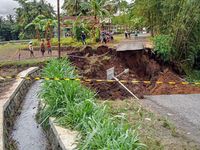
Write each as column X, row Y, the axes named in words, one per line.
column 93, row 65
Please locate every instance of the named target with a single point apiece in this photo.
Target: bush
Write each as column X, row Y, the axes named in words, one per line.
column 163, row 46
column 75, row 106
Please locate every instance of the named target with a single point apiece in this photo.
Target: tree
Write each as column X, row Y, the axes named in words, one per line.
column 8, row 28
column 44, row 25
column 120, row 6
column 98, row 9
column 72, row 7
column 48, row 26
column 37, row 24
column 28, row 11
column 177, row 20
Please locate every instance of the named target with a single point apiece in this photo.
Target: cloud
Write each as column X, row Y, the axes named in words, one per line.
column 7, row 7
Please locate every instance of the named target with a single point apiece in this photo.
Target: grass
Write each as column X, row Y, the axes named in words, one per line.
column 10, row 48
column 24, row 62
column 192, row 75
column 75, row 107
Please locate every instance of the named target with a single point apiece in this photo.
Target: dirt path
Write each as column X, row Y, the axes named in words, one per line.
column 26, row 132
column 183, row 110
column 25, row 55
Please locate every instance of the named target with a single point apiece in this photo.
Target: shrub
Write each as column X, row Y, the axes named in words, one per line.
column 163, row 46
column 75, row 106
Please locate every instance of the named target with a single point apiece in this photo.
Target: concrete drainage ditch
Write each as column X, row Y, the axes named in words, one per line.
column 18, row 127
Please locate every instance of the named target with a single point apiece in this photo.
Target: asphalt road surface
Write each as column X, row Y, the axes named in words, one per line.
column 183, row 110
column 134, row 44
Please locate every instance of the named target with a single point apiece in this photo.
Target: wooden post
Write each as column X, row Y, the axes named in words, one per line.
column 58, row 5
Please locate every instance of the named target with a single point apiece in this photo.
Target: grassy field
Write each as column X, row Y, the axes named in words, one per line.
column 9, row 53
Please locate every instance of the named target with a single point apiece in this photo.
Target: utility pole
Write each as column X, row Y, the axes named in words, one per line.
column 58, row 5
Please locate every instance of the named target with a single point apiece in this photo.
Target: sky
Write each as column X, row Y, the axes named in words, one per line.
column 7, row 6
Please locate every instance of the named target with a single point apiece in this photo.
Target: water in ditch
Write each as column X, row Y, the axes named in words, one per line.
column 27, row 134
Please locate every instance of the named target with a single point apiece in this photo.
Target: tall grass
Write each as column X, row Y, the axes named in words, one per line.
column 75, row 107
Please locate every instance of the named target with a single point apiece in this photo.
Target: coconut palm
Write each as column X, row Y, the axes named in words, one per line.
column 72, row 7
column 119, row 6
column 97, row 8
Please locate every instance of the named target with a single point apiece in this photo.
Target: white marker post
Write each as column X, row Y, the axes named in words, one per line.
column 111, row 75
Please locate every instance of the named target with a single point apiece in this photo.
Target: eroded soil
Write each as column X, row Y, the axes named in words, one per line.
column 93, row 65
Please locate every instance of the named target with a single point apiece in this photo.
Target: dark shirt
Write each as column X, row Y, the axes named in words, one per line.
column 83, row 36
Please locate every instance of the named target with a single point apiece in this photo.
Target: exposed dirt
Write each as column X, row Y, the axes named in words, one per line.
column 168, row 76
column 93, row 65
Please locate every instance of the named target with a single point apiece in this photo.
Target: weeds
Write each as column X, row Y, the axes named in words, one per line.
column 75, row 107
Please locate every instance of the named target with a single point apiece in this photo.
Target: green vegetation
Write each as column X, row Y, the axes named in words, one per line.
column 162, row 44
column 13, row 28
column 180, row 20
column 42, row 25
column 75, row 107
column 29, row 62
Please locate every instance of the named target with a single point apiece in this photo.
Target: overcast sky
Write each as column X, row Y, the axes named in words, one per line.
column 7, row 6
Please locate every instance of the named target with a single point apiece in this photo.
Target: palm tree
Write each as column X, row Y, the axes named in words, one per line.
column 72, row 7
column 119, row 6
column 97, row 8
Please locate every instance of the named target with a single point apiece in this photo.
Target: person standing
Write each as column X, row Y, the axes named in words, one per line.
column 126, row 34
column 129, row 34
column 83, row 38
column 42, row 47
column 111, row 36
column 31, row 49
column 49, row 46
column 103, row 36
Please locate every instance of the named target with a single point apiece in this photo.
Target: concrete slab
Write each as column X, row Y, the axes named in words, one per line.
column 184, row 111
column 130, row 46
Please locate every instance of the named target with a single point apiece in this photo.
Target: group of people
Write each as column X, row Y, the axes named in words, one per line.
column 106, row 37
column 128, row 34
column 43, row 46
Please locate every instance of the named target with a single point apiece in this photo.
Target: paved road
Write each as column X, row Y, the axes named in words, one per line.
column 184, row 110
column 134, row 44
column 27, row 135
